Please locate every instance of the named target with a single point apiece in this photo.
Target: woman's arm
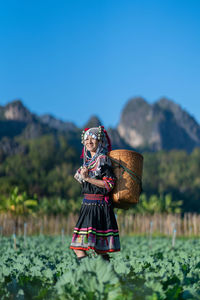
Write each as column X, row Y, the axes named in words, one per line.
column 98, row 182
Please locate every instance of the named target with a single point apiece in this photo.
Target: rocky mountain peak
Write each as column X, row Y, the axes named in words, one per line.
column 167, row 104
column 162, row 125
column 93, row 122
column 132, row 126
column 181, row 117
column 52, row 122
column 143, row 126
column 16, row 111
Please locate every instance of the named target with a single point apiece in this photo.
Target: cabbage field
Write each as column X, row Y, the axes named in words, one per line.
column 43, row 267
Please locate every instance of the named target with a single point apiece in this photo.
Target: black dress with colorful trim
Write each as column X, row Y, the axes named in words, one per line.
column 96, row 227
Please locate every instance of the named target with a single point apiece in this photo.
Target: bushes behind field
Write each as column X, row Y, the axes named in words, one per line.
column 47, row 164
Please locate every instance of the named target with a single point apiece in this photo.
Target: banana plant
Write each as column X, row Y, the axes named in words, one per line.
column 156, row 204
column 160, row 204
column 20, row 205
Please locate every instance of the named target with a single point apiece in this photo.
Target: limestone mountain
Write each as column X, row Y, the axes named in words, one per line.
column 18, row 123
column 52, row 122
column 117, row 141
column 162, row 125
column 142, row 126
column 17, row 120
column 93, row 122
column 16, row 111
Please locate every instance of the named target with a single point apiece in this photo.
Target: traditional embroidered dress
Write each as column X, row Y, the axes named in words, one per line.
column 96, row 227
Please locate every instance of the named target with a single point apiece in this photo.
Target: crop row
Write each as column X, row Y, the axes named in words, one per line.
column 43, row 267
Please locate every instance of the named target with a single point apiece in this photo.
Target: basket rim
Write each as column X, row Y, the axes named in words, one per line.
column 125, row 150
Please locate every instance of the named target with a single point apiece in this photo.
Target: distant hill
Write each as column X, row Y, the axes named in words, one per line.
column 93, row 122
column 18, row 123
column 162, row 125
column 142, row 126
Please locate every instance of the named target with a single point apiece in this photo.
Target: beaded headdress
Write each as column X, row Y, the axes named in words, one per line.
column 104, row 145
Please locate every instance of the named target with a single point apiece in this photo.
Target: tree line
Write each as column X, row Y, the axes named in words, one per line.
column 45, row 170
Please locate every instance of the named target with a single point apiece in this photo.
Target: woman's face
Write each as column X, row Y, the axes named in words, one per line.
column 91, row 144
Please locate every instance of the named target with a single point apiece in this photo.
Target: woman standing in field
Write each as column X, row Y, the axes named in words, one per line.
column 96, row 227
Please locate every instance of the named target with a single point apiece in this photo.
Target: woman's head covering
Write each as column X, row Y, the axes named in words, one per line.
column 104, row 145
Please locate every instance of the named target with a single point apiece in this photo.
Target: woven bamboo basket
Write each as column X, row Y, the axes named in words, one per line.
column 127, row 166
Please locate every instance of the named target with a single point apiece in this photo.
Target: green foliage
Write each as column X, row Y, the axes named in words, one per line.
column 176, row 173
column 58, row 206
column 47, row 168
column 19, row 204
column 47, row 164
column 45, row 268
column 158, row 204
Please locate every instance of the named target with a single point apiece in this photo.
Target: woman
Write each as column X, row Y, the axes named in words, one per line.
column 96, row 227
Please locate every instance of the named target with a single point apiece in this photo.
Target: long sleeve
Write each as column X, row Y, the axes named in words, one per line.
column 102, row 169
column 107, row 172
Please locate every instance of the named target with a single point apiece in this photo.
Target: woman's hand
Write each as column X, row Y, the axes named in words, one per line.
column 84, row 173
column 97, row 182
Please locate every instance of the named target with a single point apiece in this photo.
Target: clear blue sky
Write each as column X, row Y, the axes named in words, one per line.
column 77, row 58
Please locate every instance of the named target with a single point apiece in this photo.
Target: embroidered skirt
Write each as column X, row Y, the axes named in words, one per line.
column 96, row 227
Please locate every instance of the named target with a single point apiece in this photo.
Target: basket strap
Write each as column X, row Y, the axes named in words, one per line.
column 133, row 175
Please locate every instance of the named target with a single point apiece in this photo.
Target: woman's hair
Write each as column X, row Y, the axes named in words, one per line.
column 104, row 145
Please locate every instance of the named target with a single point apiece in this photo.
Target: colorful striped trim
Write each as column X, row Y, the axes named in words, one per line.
column 109, row 183
column 93, row 166
column 99, row 251
column 96, row 233
column 94, row 196
column 97, row 230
